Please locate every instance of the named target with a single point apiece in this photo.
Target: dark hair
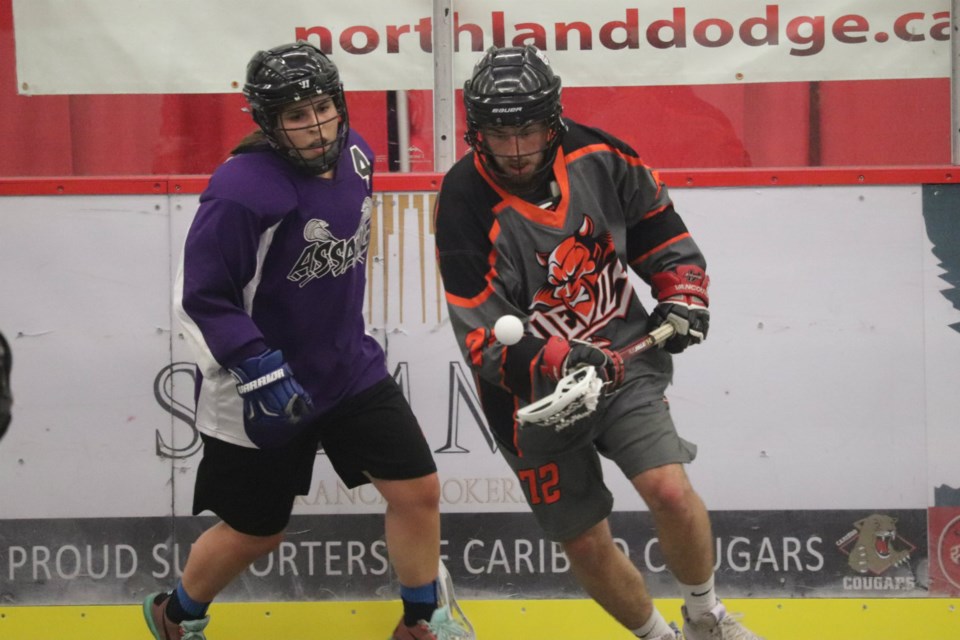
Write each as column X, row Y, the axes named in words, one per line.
column 250, row 142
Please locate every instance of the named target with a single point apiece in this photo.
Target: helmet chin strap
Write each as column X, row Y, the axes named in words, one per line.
column 322, row 163
column 319, row 165
column 530, row 185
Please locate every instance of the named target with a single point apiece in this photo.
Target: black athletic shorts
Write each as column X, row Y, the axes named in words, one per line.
column 373, row 434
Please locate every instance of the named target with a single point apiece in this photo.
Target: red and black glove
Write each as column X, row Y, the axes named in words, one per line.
column 682, row 296
column 560, row 357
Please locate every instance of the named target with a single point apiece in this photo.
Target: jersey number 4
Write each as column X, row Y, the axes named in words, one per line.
column 361, row 164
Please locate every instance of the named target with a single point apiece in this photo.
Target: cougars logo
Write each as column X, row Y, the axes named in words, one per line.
column 585, row 287
column 877, row 546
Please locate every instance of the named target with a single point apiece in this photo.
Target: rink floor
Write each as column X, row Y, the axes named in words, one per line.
column 790, row 619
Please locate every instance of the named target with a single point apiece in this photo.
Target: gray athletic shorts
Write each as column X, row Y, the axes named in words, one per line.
column 565, row 489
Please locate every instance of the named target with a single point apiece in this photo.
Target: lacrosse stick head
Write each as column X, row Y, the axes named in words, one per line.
column 576, row 397
column 456, row 625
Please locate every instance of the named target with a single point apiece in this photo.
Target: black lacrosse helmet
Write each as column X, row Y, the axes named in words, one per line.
column 287, row 74
column 513, row 87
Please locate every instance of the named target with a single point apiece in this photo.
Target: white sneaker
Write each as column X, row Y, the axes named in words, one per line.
column 715, row 625
column 673, row 635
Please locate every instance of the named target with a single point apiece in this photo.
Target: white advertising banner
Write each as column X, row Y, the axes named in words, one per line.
column 821, row 383
column 184, row 46
column 823, row 401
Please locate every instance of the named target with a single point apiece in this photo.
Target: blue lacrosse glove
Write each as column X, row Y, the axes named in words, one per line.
column 682, row 297
column 274, row 403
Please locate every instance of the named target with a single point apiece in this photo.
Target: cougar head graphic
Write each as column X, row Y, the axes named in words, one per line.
column 875, row 548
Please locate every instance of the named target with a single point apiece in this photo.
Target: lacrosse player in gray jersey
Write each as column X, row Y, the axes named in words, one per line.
column 542, row 220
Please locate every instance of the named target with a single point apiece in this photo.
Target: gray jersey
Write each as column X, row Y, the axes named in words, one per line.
column 562, row 269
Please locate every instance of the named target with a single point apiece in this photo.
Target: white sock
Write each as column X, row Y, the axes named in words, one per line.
column 699, row 598
column 654, row 627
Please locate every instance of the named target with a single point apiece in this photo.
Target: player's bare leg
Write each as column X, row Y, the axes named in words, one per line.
column 219, row 555
column 681, row 520
column 608, row 576
column 614, row 582
column 683, row 527
column 412, row 527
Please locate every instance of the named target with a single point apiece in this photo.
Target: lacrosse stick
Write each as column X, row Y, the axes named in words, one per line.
column 578, row 393
column 460, row 627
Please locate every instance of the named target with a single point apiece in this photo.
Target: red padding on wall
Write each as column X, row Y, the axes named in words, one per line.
column 396, row 182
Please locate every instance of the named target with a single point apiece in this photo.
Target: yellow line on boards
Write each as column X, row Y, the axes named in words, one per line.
column 776, row 619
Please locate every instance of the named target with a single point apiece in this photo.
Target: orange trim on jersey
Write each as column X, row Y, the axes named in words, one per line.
column 656, row 179
column 653, row 212
column 487, row 291
column 660, row 247
column 492, row 237
column 631, row 160
column 476, row 342
column 596, row 148
column 516, row 427
column 470, row 303
column 516, row 407
column 503, row 361
column 528, row 210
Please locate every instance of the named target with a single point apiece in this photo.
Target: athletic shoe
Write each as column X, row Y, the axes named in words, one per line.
column 715, row 625
column 441, row 627
column 163, row 628
column 673, row 635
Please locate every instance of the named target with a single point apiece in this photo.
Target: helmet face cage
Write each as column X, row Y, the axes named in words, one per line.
column 288, row 74
column 513, row 87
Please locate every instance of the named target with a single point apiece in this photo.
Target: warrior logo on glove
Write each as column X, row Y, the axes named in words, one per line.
column 274, row 403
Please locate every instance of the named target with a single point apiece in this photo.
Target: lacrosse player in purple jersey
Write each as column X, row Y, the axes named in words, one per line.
column 542, row 221
column 270, row 294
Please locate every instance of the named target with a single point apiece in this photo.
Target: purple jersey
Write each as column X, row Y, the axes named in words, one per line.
column 275, row 259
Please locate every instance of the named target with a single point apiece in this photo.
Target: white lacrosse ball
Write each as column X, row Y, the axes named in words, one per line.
column 508, row 330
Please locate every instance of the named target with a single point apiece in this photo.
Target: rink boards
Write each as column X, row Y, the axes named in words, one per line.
column 823, row 405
